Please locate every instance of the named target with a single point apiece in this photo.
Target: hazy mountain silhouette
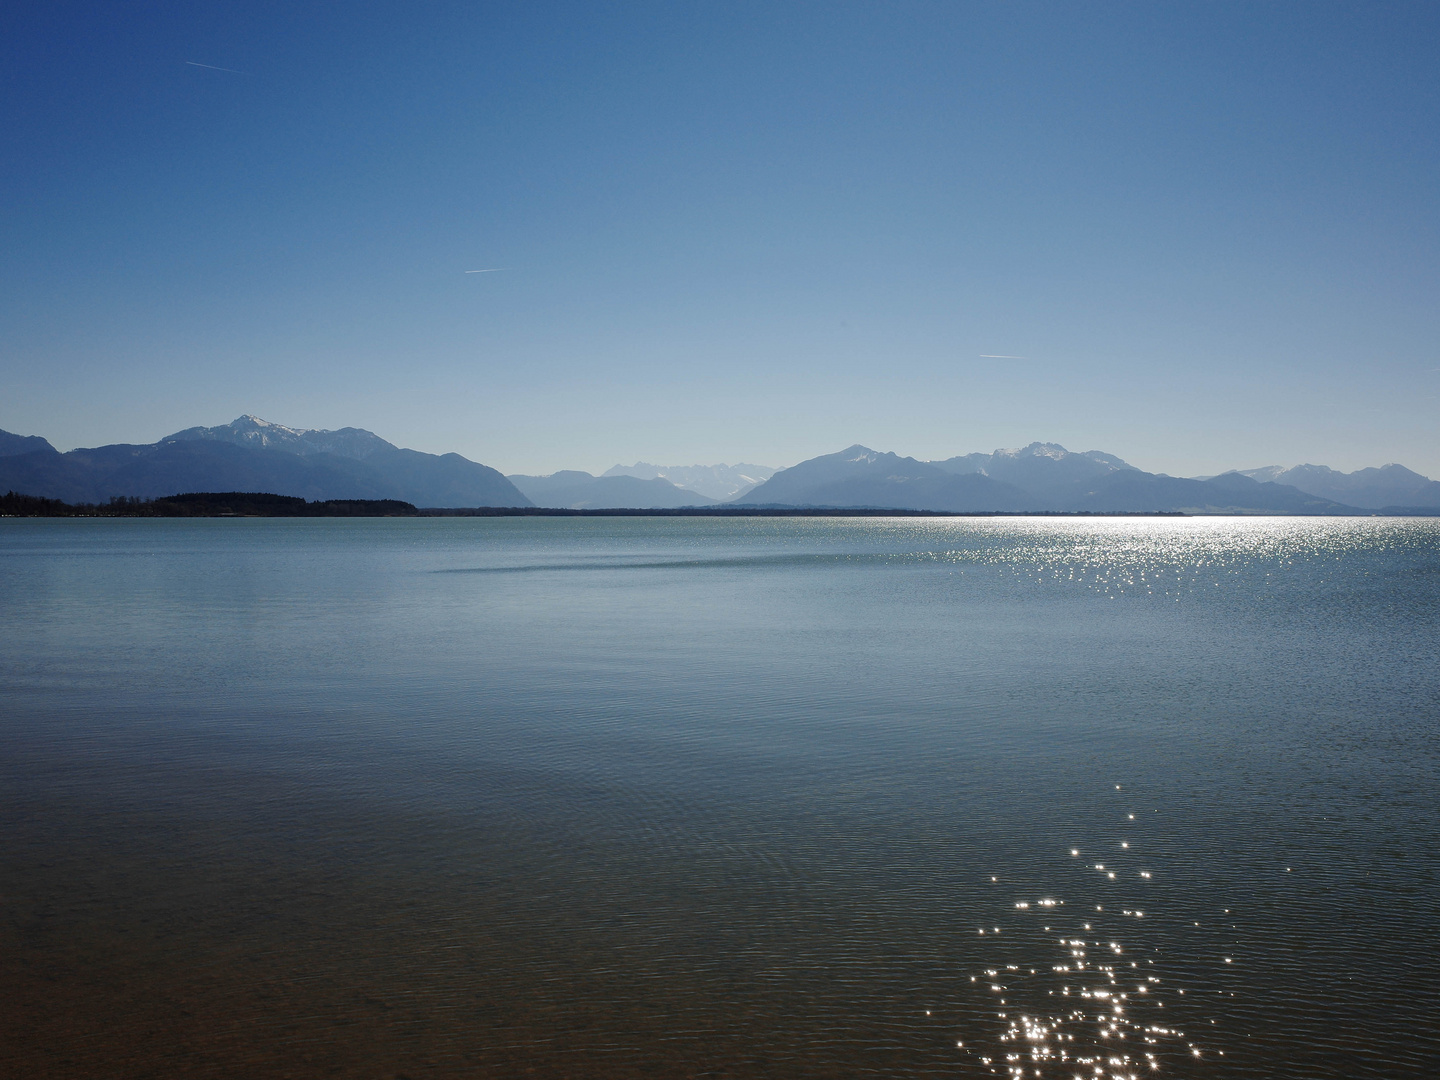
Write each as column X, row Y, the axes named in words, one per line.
column 1041, row 477
column 260, row 434
column 717, row 481
column 1231, row 493
column 14, row 445
column 859, row 476
column 250, row 455
column 1046, row 471
column 574, row 490
column 254, row 455
column 1373, row 489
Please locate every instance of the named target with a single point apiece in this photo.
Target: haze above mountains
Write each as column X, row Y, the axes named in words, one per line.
column 643, row 486
column 251, row 454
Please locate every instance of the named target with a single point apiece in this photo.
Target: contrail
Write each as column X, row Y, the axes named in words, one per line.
column 212, row 67
column 492, row 270
column 1000, row 356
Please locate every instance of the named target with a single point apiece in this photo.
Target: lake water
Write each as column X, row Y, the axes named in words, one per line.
column 741, row 798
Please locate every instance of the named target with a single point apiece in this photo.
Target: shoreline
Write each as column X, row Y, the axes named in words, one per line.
column 264, row 504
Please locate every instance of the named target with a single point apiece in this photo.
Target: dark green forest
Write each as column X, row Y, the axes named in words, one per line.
column 205, row 504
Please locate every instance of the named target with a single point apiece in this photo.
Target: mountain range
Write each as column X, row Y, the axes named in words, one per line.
column 251, row 454
column 1370, row 489
column 255, row 455
column 1039, row 477
column 574, row 490
column 719, row 482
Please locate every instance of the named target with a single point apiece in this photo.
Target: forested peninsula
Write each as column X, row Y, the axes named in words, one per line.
column 206, row 504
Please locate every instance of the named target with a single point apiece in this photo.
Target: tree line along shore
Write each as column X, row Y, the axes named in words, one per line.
column 263, row 504
column 206, row 504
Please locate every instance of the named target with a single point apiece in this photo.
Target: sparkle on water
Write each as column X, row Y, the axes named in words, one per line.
column 1076, row 1005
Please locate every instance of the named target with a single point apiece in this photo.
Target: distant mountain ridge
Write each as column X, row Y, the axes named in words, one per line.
column 1044, row 470
column 715, row 481
column 253, row 455
column 14, row 445
column 251, row 431
column 859, row 476
column 1042, row 477
column 571, row 489
column 1371, row 489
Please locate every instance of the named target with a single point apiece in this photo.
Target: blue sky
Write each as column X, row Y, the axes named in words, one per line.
column 1199, row 236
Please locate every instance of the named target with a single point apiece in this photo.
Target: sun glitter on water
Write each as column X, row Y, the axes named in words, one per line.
column 1082, row 991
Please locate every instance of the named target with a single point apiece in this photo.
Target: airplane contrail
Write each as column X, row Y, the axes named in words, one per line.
column 492, row 270
column 1000, row 356
column 212, row 67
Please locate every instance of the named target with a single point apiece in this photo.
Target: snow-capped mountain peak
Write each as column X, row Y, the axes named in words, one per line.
column 250, row 430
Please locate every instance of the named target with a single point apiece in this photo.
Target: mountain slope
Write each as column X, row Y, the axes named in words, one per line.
column 1046, row 471
column 251, row 431
column 861, row 477
column 715, row 481
column 574, row 490
column 1055, row 480
column 149, row 471
column 1372, row 489
column 201, row 463
column 1133, row 491
column 15, row 445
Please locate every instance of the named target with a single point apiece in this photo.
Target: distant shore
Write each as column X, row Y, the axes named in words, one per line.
column 766, row 511
column 206, row 504
column 262, row 504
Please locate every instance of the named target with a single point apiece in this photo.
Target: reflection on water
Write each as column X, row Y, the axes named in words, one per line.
column 549, row 798
column 1082, row 987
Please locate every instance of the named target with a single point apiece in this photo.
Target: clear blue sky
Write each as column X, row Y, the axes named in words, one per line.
column 728, row 231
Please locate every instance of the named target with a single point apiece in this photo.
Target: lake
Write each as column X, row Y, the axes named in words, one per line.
column 756, row 797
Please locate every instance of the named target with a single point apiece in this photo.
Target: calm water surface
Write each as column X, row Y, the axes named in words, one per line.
column 649, row 797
